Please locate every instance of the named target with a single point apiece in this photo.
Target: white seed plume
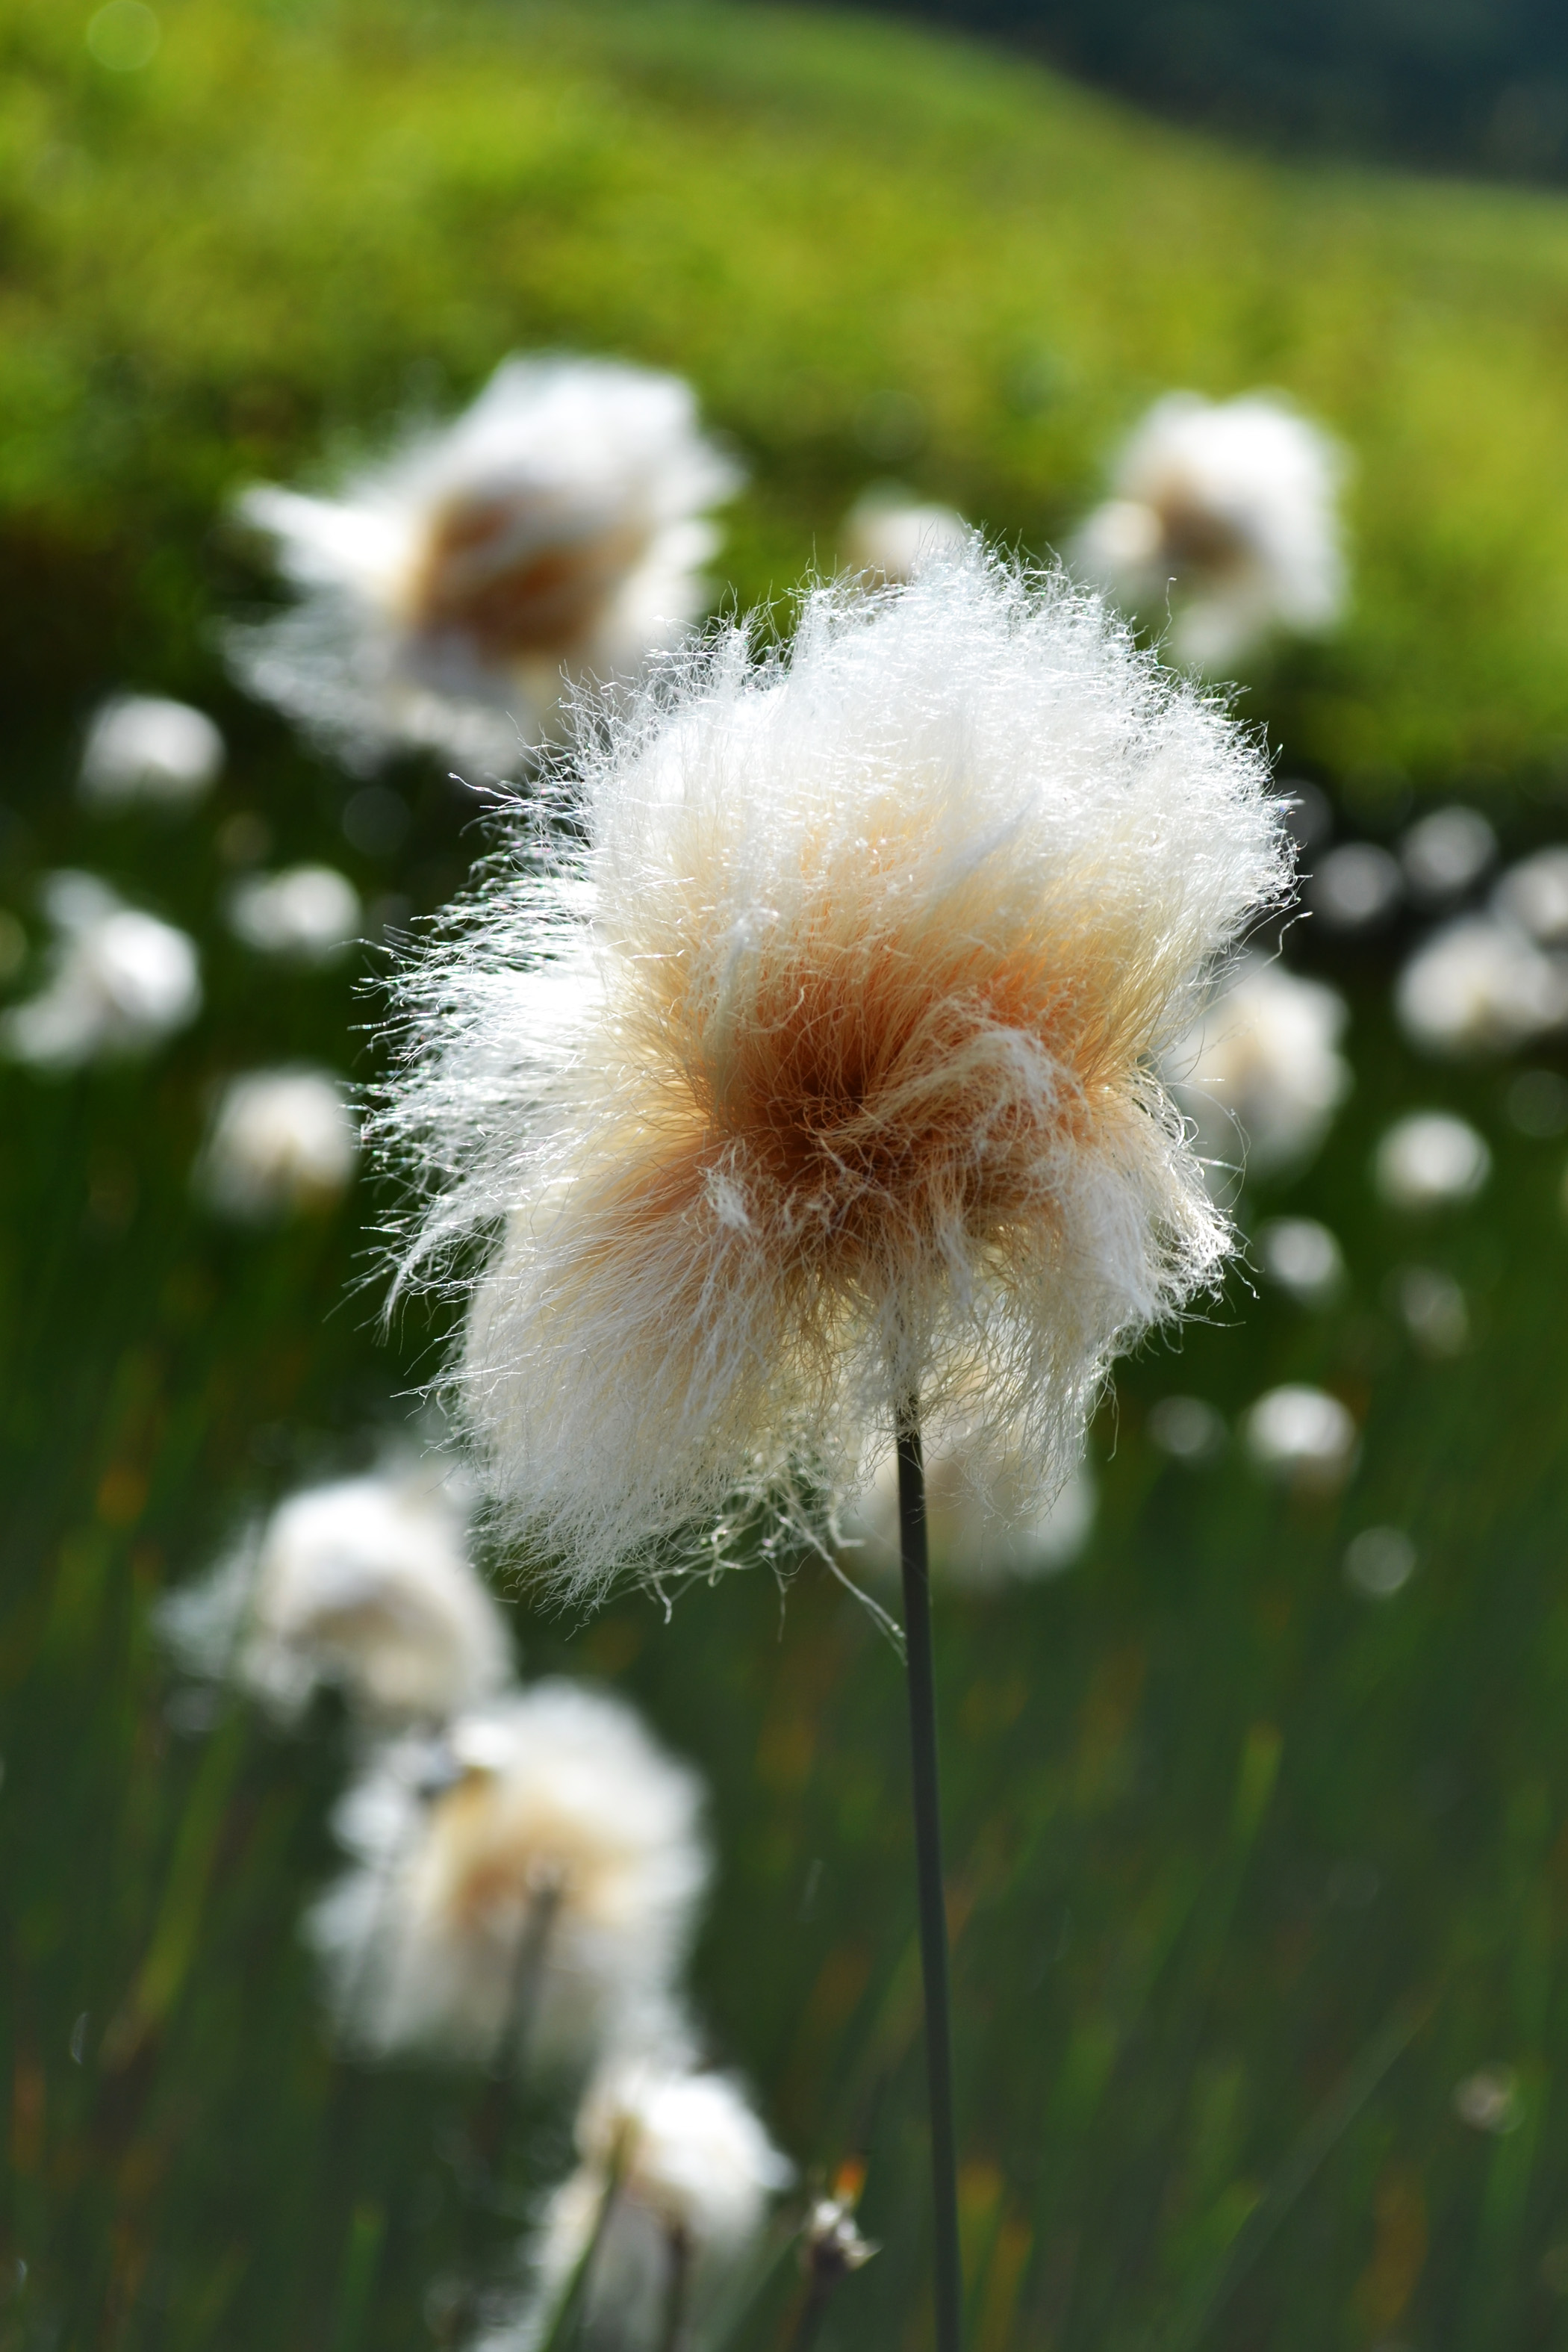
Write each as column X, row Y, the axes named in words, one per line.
column 1431, row 1161
column 985, row 1526
column 1303, row 1437
column 565, row 1850
column 690, row 2172
column 1304, row 1258
column 1535, row 895
column 1354, row 887
column 281, row 1140
column 1229, row 508
column 1446, row 853
column 140, row 746
column 1479, row 986
column 364, row 1582
column 1260, row 1074
column 887, row 534
column 450, row 594
column 121, row 981
column 825, row 1073
column 306, row 915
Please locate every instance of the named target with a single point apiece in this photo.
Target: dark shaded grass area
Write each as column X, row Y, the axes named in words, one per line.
column 1247, row 1872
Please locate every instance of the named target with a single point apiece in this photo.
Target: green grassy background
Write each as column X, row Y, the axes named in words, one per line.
column 1247, row 1872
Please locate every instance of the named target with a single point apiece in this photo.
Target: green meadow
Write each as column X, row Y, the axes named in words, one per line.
column 1248, row 1872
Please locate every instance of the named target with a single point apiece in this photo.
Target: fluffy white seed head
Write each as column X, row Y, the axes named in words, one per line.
column 887, row 534
column 140, row 746
column 1260, row 1074
column 1356, row 887
column 365, row 1582
column 560, row 1818
column 689, row 2173
column 1534, row 895
column 121, row 981
column 281, row 1140
column 985, row 1525
column 554, row 532
column 306, row 915
column 1479, row 986
column 1446, row 853
column 1228, row 509
column 1303, row 1437
column 1304, row 1258
column 1431, row 1161
column 824, row 1074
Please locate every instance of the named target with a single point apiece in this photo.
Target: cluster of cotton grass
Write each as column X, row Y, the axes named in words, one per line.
column 525, row 1863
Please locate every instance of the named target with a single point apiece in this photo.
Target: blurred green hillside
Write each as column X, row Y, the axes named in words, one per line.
column 1248, row 1871
column 875, row 251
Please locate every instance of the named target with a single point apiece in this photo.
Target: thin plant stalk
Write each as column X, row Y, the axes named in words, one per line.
column 674, row 2336
column 947, row 2261
column 509, row 2060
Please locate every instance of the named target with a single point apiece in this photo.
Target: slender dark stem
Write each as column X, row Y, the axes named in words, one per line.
column 678, row 2292
column 948, row 2263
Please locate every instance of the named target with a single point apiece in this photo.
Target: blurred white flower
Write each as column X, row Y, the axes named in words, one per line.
column 119, row 982
column 1379, row 1562
column 1263, row 1059
column 554, row 533
column 1188, row 1430
column 547, row 1891
column 1230, row 508
column 1302, row 1436
column 1303, row 1257
column 1479, row 986
column 1445, row 854
column 1489, row 2100
column 306, row 914
column 1432, row 1307
column 365, row 1582
column 1535, row 895
column 1431, row 1159
column 985, row 1523
column 690, row 2172
column 281, row 1141
column 887, row 532
column 141, row 747
column 1354, row 887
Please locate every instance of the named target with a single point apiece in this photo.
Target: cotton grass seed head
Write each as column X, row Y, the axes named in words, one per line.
column 1431, row 1159
column 560, row 1816
column 824, row 1074
column 144, row 748
column 888, row 533
column 305, row 915
column 1228, row 510
column 985, row 1528
column 120, row 982
column 281, row 1141
column 554, row 532
column 1481, row 985
column 1260, row 1074
column 364, row 1582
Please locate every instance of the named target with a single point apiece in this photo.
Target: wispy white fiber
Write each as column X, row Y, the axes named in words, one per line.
column 140, row 746
column 305, row 915
column 888, row 533
column 1260, row 1074
column 985, row 1526
column 563, row 1821
column 1479, row 986
column 365, row 1582
column 447, row 595
column 1228, row 509
column 824, row 1073
column 281, row 1141
column 121, row 981
column 690, row 2172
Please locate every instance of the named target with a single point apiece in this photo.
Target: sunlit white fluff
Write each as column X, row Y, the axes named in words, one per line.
column 690, row 2172
column 1229, row 508
column 984, row 1525
column 888, row 533
column 1260, row 1074
column 1431, row 1159
column 1446, row 853
column 1535, row 895
column 140, row 746
column 281, row 1141
column 365, row 1582
column 119, row 982
column 824, row 1073
column 1303, row 1437
column 305, row 914
column 554, row 532
column 1479, row 986
column 562, row 1821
